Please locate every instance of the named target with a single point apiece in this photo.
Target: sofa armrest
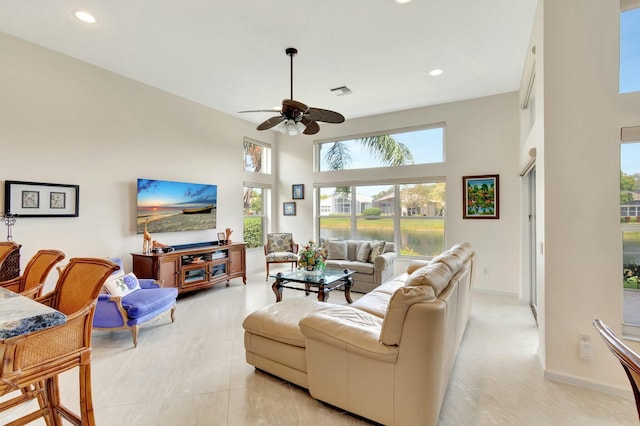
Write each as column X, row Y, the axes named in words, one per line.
column 150, row 283
column 109, row 312
column 348, row 329
column 383, row 267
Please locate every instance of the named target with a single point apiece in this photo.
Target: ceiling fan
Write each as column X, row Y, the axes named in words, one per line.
column 296, row 116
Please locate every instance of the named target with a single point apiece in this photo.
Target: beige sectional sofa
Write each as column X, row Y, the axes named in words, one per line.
column 371, row 267
column 388, row 356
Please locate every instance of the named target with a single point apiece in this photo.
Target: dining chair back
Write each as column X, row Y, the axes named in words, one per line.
column 32, row 362
column 31, row 282
column 629, row 359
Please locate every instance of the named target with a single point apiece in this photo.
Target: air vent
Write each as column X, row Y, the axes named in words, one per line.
column 341, row 91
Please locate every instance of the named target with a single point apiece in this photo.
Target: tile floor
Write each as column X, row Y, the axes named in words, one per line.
column 193, row 372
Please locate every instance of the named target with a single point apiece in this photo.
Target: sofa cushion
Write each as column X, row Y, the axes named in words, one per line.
column 279, row 321
column 142, row 302
column 337, row 250
column 399, row 304
column 453, row 261
column 121, row 285
column 437, row 275
column 377, row 248
column 375, row 303
column 281, row 256
column 364, row 248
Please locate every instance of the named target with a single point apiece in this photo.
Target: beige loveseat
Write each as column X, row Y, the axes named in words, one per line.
column 386, row 357
column 372, row 261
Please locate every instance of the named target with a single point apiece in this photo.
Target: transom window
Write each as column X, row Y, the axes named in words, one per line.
column 256, row 156
column 630, row 51
column 394, row 149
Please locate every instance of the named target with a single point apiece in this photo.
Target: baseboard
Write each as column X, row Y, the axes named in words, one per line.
column 588, row 384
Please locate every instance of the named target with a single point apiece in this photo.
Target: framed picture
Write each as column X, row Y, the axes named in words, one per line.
column 480, row 197
column 221, row 237
column 39, row 199
column 289, row 209
column 297, row 192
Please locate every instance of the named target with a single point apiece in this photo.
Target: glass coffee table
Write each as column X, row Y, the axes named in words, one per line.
column 329, row 280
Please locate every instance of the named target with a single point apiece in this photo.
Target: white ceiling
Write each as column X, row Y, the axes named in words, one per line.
column 229, row 54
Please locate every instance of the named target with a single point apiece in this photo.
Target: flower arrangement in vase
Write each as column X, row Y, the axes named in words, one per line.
column 312, row 258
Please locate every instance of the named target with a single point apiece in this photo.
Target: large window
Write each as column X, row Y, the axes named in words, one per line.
column 630, row 51
column 395, row 149
column 256, row 156
column 254, row 216
column 411, row 215
column 630, row 227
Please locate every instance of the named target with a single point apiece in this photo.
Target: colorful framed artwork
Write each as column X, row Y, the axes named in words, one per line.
column 289, row 209
column 480, row 197
column 39, row 199
column 297, row 192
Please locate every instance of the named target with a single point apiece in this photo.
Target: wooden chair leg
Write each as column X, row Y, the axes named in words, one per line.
column 173, row 314
column 86, row 402
column 134, row 335
column 267, row 277
column 52, row 399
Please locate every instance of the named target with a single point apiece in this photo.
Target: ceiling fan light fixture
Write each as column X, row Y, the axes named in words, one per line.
column 292, row 128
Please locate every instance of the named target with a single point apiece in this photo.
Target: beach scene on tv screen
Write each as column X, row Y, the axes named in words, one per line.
column 167, row 206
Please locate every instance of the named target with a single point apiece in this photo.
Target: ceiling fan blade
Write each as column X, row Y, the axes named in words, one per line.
column 272, row 122
column 260, row 110
column 319, row 114
column 312, row 127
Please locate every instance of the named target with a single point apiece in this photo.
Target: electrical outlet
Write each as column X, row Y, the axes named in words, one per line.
column 586, row 349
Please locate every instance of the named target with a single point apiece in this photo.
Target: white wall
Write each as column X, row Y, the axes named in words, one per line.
column 583, row 114
column 64, row 121
column 481, row 138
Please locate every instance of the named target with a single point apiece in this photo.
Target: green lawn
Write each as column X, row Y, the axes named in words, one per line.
column 384, row 223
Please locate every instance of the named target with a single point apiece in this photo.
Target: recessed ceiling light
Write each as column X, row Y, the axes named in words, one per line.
column 435, row 72
column 403, row 1
column 84, row 16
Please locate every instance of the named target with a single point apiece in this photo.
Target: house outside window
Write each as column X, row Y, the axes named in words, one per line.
column 411, row 215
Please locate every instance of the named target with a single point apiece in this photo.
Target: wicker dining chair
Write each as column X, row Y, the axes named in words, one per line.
column 629, row 359
column 31, row 363
column 6, row 248
column 31, row 282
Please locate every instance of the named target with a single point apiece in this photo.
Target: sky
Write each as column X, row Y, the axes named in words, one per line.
column 630, row 51
column 166, row 193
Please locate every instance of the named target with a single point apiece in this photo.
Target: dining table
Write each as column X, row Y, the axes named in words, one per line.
column 21, row 315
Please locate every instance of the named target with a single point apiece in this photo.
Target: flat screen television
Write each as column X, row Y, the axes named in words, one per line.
column 167, row 206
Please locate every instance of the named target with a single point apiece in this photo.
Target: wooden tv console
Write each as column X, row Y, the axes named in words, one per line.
column 194, row 266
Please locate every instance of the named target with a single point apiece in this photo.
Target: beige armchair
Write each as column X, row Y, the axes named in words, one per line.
column 280, row 248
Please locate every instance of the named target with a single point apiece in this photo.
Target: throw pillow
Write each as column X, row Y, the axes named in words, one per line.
column 122, row 285
column 377, row 248
column 363, row 251
column 337, row 250
column 437, row 275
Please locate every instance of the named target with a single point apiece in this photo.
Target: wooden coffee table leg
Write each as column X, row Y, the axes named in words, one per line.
column 323, row 295
column 277, row 287
column 347, row 289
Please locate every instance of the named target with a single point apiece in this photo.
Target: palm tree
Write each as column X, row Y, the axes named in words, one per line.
column 382, row 147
